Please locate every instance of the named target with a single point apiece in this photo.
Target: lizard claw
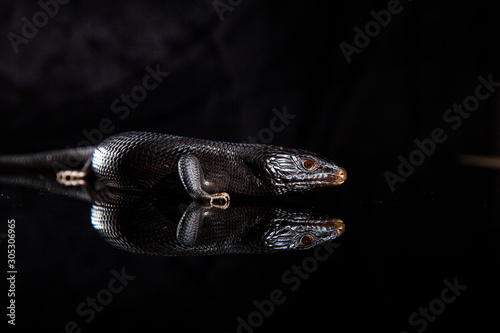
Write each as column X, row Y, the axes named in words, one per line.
column 71, row 177
column 219, row 200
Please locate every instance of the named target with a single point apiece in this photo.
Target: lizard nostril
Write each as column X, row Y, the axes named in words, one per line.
column 340, row 229
column 342, row 174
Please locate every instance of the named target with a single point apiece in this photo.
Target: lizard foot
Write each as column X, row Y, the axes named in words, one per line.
column 218, row 200
column 71, row 177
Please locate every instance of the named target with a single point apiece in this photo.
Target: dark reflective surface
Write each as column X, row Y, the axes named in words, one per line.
column 164, row 226
column 168, row 223
column 277, row 72
column 394, row 257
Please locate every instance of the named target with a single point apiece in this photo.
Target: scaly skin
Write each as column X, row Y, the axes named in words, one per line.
column 140, row 224
column 208, row 169
column 143, row 222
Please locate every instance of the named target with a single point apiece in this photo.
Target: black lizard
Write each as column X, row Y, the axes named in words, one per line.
column 209, row 170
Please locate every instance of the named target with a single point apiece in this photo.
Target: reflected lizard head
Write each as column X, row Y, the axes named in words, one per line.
column 299, row 231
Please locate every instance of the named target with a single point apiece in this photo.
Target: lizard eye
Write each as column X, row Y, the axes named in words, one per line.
column 306, row 240
column 309, row 164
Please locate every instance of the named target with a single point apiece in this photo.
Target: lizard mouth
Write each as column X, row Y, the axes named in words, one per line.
column 323, row 179
column 337, row 179
column 304, row 232
column 329, row 225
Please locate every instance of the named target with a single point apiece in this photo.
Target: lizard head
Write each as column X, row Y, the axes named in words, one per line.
column 291, row 170
column 302, row 231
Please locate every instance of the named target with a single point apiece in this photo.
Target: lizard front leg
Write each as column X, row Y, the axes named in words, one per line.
column 192, row 178
column 190, row 223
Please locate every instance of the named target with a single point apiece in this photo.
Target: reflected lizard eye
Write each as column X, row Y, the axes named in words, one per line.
column 309, row 164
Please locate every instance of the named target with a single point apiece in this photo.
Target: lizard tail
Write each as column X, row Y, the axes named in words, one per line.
column 56, row 160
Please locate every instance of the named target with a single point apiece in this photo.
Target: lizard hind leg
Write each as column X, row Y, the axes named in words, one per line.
column 74, row 177
column 192, row 178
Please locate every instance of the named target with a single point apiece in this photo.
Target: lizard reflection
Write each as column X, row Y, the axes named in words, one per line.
column 148, row 223
column 143, row 225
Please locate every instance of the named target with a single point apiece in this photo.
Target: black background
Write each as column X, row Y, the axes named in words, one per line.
column 225, row 79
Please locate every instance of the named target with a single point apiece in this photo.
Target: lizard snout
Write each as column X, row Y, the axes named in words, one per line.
column 341, row 176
